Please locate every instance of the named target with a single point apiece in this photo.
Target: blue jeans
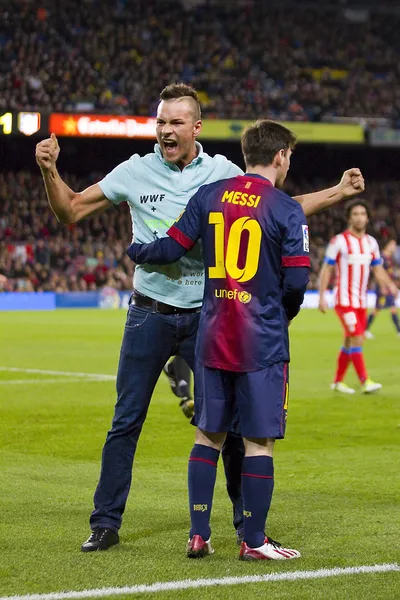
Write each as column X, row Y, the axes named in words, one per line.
column 150, row 338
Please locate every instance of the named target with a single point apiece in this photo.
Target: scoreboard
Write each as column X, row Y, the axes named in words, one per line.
column 77, row 125
column 22, row 123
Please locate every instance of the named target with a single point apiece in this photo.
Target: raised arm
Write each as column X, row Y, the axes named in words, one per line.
column 67, row 205
column 351, row 184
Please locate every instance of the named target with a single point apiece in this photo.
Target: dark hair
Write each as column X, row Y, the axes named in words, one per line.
column 261, row 142
column 349, row 208
column 181, row 90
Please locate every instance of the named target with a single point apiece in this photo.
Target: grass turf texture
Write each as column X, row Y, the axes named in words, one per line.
column 336, row 474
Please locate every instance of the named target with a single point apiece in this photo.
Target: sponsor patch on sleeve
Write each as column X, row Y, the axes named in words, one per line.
column 306, row 239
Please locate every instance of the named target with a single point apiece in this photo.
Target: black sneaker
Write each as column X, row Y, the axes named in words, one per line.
column 102, row 538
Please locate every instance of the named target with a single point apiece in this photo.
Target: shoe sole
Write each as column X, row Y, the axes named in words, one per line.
column 333, row 389
column 197, row 553
column 249, row 558
column 91, row 549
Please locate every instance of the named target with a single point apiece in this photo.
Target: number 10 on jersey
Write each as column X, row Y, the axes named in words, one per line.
column 227, row 262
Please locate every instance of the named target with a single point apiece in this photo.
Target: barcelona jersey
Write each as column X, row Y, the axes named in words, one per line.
column 250, row 231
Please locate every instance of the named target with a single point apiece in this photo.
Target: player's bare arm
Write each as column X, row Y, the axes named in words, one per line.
column 324, row 279
column 351, row 184
column 384, row 280
column 67, row 205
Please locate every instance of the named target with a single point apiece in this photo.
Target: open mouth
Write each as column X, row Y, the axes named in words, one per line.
column 170, row 146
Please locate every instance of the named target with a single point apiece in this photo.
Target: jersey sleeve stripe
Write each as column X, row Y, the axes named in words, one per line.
column 329, row 261
column 180, row 237
column 296, row 261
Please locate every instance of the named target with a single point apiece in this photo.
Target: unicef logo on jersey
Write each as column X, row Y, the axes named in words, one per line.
column 243, row 296
column 109, row 298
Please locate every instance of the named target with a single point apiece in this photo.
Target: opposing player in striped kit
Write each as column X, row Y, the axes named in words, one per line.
column 352, row 254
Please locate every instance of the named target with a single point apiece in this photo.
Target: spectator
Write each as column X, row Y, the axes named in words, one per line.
column 298, row 64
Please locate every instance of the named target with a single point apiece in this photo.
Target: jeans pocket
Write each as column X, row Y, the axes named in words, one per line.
column 136, row 317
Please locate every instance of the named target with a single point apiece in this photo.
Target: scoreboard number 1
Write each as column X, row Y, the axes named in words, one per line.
column 6, row 123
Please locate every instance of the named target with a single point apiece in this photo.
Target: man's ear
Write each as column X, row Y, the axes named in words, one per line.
column 197, row 128
column 279, row 158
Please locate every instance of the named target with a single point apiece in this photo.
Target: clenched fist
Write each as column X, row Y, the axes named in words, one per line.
column 47, row 152
column 352, row 183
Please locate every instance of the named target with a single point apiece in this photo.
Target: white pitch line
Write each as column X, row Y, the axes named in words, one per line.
column 100, row 376
column 187, row 584
column 59, row 380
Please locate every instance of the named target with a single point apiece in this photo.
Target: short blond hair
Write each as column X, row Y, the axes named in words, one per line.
column 181, row 90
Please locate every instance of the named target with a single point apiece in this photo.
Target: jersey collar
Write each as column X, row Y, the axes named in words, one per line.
column 195, row 161
column 355, row 236
column 261, row 178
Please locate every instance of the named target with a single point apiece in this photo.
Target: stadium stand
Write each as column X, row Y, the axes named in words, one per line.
column 115, row 56
column 291, row 64
column 37, row 253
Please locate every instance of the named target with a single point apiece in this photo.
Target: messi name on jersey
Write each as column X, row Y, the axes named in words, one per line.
column 241, row 198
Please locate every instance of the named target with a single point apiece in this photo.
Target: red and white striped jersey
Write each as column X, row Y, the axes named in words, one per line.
column 353, row 257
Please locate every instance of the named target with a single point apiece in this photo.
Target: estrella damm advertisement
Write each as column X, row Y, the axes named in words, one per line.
column 102, row 126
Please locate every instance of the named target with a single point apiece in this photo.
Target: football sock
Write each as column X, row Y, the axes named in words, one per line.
column 395, row 319
column 257, row 488
column 201, row 477
column 343, row 361
column 358, row 361
column 371, row 319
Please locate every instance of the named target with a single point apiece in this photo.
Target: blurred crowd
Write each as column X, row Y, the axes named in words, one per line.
column 39, row 254
column 116, row 55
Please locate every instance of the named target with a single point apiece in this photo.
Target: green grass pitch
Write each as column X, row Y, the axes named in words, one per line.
column 336, row 474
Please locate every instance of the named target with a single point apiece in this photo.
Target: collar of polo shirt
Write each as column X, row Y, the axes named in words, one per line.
column 199, row 157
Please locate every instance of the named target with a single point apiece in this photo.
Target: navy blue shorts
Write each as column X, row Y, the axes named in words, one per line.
column 258, row 398
column 383, row 301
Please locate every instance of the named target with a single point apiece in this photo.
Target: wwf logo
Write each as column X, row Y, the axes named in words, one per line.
column 152, row 198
